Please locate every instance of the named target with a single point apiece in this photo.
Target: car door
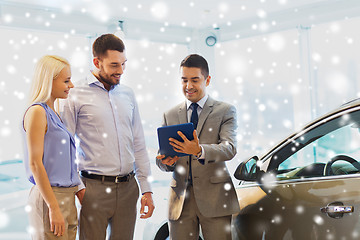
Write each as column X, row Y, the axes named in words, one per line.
column 308, row 187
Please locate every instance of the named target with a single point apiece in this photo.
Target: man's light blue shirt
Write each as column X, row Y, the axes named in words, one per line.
column 108, row 130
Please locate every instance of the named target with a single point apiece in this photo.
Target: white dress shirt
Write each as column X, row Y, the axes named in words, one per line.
column 201, row 104
column 108, row 129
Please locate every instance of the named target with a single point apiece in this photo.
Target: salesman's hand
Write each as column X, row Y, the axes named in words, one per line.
column 147, row 201
column 80, row 195
column 188, row 147
column 170, row 161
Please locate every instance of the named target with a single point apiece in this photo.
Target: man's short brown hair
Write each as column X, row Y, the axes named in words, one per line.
column 196, row 61
column 107, row 42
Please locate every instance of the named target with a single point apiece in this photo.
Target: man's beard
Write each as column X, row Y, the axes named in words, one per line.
column 105, row 80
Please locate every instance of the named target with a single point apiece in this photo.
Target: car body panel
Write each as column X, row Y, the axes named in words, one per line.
column 307, row 186
column 291, row 210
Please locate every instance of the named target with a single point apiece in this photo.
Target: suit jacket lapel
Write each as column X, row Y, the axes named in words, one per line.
column 183, row 113
column 204, row 114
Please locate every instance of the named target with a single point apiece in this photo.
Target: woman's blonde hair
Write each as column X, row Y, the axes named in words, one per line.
column 46, row 70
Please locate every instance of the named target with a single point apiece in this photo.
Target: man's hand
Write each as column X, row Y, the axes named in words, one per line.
column 188, row 147
column 80, row 195
column 170, row 161
column 146, row 201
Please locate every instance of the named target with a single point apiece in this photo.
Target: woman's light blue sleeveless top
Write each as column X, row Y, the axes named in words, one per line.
column 59, row 153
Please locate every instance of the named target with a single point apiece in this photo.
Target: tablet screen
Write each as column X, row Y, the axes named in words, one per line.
column 164, row 133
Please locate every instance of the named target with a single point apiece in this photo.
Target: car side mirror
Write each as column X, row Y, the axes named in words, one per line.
column 248, row 170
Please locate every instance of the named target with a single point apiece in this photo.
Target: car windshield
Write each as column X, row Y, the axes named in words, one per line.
column 331, row 148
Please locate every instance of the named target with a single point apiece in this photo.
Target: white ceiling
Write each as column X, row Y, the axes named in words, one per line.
column 191, row 13
column 173, row 17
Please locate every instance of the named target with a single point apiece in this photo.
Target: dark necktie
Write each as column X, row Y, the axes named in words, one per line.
column 194, row 119
column 194, row 115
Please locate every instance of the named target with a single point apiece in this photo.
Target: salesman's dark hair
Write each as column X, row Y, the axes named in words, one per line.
column 107, row 42
column 196, row 61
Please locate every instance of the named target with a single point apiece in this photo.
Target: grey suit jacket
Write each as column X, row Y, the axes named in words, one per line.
column 214, row 191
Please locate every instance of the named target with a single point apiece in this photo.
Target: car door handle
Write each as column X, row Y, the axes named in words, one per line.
column 337, row 209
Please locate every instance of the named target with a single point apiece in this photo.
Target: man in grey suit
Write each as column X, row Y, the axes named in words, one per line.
column 201, row 191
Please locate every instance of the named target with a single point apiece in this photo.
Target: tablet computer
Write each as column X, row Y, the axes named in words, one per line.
column 164, row 133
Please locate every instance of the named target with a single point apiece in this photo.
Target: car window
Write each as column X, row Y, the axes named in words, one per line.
column 333, row 148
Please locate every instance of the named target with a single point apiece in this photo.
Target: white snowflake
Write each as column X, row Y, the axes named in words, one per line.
column 300, row 209
column 227, row 186
column 159, row 10
column 276, row 42
column 268, row 179
column 11, row 69
column 318, row 220
column 5, row 132
column 261, row 13
column 4, row 220
column 277, row 219
column 181, row 170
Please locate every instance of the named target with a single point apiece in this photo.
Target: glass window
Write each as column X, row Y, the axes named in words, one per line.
column 261, row 77
column 332, row 148
column 335, row 63
column 20, row 51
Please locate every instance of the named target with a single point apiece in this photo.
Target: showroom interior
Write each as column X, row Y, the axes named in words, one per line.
column 282, row 63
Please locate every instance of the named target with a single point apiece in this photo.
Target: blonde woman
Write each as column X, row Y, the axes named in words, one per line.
column 50, row 154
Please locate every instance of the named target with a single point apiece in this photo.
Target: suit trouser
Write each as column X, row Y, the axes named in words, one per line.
column 107, row 203
column 187, row 226
column 39, row 213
